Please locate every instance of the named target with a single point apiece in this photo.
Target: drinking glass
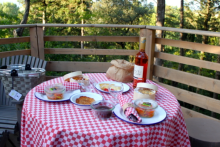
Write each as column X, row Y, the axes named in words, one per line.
column 93, row 83
column 85, row 84
column 115, row 89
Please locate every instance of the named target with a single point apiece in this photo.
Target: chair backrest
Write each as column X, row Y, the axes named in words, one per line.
column 18, row 59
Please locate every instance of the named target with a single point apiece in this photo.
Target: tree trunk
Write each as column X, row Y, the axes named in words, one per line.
column 204, row 41
column 19, row 31
column 82, row 30
column 159, row 33
column 44, row 15
column 82, row 42
column 182, row 37
column 205, row 38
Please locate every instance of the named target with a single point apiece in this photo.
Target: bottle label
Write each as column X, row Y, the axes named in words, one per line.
column 138, row 71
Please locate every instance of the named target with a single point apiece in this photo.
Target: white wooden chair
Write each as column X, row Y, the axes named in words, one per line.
column 10, row 111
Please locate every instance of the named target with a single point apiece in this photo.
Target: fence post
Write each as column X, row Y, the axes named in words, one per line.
column 33, row 41
column 150, row 48
column 40, row 38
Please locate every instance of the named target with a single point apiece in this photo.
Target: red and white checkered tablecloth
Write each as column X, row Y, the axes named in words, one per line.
column 62, row 124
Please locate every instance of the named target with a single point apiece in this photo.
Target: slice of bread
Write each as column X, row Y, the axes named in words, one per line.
column 104, row 86
column 85, row 100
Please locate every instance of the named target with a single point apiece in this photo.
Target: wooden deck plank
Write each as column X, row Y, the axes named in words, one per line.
column 20, row 59
column 90, row 51
column 12, row 60
column 36, row 62
column 189, row 45
column 16, row 59
column 191, row 79
column 194, row 98
column 25, row 59
column 3, row 61
column 8, row 121
column 7, row 126
column 9, row 130
column 188, row 61
column 7, row 60
column 14, row 40
column 77, row 66
column 93, row 38
column 12, row 53
column 32, row 61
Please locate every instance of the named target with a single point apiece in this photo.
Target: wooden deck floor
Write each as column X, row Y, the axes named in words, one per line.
column 8, row 115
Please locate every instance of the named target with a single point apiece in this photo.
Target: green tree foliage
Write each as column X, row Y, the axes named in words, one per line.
column 9, row 8
column 118, row 12
column 135, row 12
column 10, row 15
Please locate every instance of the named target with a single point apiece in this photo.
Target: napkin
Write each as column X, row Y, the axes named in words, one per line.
column 130, row 112
column 69, row 86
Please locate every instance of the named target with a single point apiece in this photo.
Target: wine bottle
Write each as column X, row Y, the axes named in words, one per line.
column 141, row 64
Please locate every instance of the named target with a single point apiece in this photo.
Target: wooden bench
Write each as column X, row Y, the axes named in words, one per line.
column 10, row 110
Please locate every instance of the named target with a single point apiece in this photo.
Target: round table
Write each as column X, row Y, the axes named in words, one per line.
column 62, row 124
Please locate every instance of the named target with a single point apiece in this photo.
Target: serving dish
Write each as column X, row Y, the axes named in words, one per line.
column 159, row 115
column 97, row 86
column 102, row 109
column 95, row 96
column 55, row 91
column 145, row 107
column 66, row 96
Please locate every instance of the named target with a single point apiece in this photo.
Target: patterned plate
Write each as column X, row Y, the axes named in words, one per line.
column 66, row 96
column 126, row 87
column 159, row 115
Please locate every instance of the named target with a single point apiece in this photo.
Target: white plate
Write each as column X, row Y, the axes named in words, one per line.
column 126, row 87
column 66, row 96
column 159, row 115
column 95, row 96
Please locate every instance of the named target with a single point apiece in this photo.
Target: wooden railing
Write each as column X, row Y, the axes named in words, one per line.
column 37, row 40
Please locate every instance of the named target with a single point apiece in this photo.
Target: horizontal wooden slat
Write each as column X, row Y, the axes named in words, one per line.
column 189, row 45
column 7, row 126
column 92, row 25
column 14, row 40
column 13, row 53
column 93, row 38
column 8, row 121
column 187, row 113
column 7, row 113
column 188, row 61
column 7, row 107
column 9, row 130
column 190, row 31
column 9, row 118
column 187, row 78
column 17, row 26
column 77, row 66
column 193, row 98
column 90, row 51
